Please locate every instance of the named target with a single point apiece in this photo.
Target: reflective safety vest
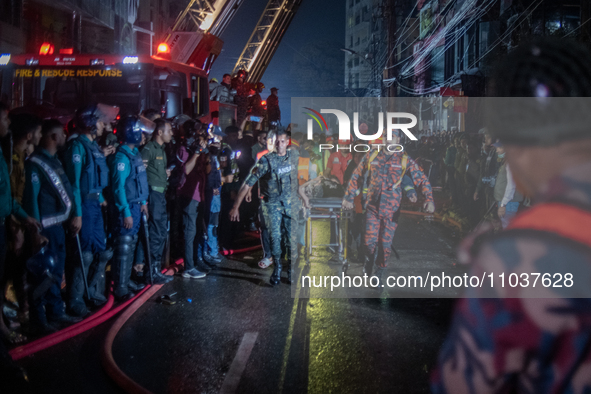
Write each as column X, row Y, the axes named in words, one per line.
column 303, row 170
column 136, row 184
column 55, row 195
column 95, row 176
column 564, row 220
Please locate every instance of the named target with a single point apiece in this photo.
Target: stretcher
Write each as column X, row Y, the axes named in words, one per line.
column 329, row 209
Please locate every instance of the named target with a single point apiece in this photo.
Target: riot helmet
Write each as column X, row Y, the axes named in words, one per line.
column 130, row 129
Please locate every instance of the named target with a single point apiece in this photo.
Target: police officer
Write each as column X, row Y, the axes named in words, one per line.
column 8, row 205
column 386, row 167
column 48, row 198
column 130, row 190
column 275, row 172
column 535, row 337
column 154, row 158
column 88, row 173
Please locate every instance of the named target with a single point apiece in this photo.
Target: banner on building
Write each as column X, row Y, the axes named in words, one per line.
column 426, row 20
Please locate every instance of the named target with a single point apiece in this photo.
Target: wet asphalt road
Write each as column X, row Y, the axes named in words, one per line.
column 315, row 345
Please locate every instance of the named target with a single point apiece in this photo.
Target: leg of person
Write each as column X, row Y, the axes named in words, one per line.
column 388, row 229
column 158, row 220
column 139, row 269
column 91, row 211
column 102, row 255
column 136, row 214
column 53, row 298
column 287, row 230
column 212, row 255
column 265, row 239
column 272, row 210
column 190, row 227
column 200, row 241
column 510, row 211
column 125, row 243
column 372, row 230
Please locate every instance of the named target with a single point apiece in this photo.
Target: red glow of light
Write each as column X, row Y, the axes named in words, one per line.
column 263, row 102
column 46, row 49
column 163, row 48
column 67, row 51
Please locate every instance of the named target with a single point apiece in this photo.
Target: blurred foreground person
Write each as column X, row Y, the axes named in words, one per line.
column 533, row 344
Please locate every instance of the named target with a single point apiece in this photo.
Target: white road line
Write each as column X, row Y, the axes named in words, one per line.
column 237, row 368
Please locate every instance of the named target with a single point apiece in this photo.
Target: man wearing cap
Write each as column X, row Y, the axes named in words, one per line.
column 533, row 337
column 387, row 168
column 154, row 158
column 273, row 111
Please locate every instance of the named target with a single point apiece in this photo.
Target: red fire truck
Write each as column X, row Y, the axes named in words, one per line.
column 58, row 84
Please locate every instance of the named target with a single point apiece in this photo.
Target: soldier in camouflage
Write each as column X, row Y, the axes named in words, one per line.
column 276, row 173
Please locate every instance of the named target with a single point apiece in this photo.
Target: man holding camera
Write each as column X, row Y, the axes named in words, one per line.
column 193, row 156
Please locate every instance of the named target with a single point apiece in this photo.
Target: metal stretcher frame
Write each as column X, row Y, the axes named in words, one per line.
column 329, row 209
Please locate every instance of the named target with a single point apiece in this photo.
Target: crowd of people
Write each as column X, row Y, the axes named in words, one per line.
column 111, row 188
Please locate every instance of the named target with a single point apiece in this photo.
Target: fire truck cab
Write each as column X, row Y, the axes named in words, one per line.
column 58, row 84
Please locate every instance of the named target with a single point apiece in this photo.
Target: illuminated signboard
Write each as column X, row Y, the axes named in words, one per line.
column 50, row 73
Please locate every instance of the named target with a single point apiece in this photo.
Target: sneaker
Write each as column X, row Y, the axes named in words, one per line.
column 193, row 273
column 201, row 266
column 212, row 259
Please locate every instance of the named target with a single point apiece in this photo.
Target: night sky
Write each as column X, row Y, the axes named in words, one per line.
column 317, row 23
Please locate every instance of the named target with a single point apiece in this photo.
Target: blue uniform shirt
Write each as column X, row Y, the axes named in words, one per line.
column 120, row 169
column 75, row 161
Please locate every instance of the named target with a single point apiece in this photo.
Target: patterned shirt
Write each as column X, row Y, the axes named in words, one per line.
column 529, row 345
column 385, row 173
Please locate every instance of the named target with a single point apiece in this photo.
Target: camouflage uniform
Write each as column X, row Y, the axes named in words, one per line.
column 383, row 199
column 536, row 345
column 277, row 177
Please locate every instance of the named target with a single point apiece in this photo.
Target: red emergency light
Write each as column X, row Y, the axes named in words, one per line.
column 67, row 51
column 163, row 48
column 46, row 49
column 263, row 102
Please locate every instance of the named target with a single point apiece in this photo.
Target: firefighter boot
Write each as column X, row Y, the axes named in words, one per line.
column 121, row 267
column 97, row 282
column 276, row 275
column 76, row 305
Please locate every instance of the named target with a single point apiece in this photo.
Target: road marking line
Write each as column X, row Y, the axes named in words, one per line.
column 233, row 376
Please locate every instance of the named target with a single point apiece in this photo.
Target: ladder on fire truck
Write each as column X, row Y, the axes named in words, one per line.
column 265, row 38
column 194, row 37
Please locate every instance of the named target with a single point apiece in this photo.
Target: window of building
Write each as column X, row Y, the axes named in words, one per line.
column 358, row 40
column 10, row 12
column 356, row 81
column 351, row 3
column 350, row 63
column 351, row 21
column 350, row 41
column 437, row 65
column 356, row 61
column 357, row 19
column 357, row 1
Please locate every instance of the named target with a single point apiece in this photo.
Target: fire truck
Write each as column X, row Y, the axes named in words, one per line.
column 58, row 84
column 175, row 80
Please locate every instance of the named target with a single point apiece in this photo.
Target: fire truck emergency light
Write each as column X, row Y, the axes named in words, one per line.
column 163, row 48
column 4, row 59
column 46, row 49
column 130, row 60
column 67, row 51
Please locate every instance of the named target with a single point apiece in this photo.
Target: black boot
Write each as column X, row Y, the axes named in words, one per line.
column 288, row 268
column 97, row 282
column 76, row 305
column 276, row 275
column 121, row 267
